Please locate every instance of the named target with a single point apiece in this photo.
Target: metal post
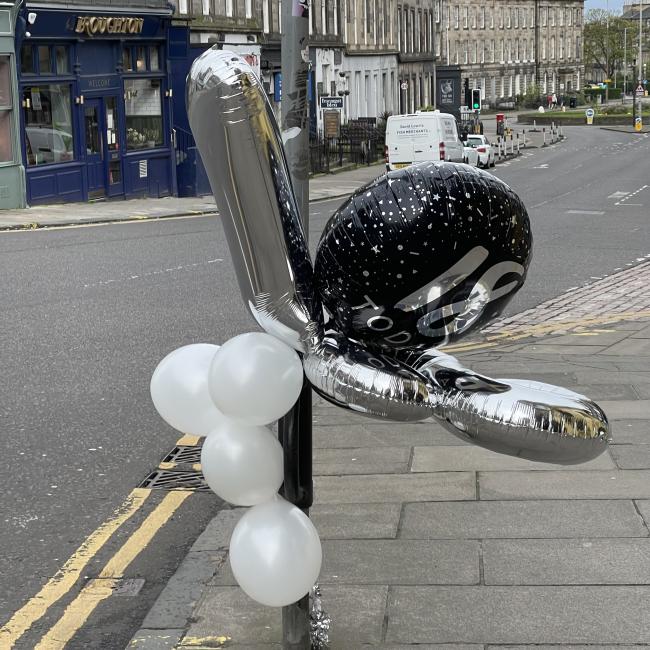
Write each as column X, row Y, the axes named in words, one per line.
column 295, row 429
column 624, row 63
column 544, row 136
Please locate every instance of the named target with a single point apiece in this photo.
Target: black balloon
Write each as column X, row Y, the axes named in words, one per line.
column 423, row 255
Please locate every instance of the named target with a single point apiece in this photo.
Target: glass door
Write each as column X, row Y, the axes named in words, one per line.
column 95, row 156
column 115, row 180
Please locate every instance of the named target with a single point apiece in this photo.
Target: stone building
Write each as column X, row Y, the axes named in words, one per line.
column 505, row 48
column 419, row 42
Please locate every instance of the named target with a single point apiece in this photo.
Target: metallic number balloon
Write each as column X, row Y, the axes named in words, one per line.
column 423, row 256
column 239, row 141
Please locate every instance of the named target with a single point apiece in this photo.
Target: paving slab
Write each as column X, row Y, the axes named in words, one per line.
column 216, row 536
column 566, row 647
column 614, row 484
column 567, row 562
column 356, row 520
column 627, row 409
column 401, row 562
column 357, row 616
column 631, row 456
column 395, row 488
column 630, row 432
column 644, row 510
column 472, row 459
column 519, row 615
column 608, row 391
column 361, row 460
column 630, row 346
column 521, row 519
column 391, row 562
column 341, row 436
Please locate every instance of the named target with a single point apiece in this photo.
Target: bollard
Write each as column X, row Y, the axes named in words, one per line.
column 544, row 136
column 518, row 150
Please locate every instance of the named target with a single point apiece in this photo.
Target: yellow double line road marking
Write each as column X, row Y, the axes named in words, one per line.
column 79, row 610
column 64, row 579
column 97, row 590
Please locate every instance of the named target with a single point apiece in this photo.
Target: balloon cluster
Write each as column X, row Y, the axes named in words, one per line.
column 414, row 260
column 206, row 390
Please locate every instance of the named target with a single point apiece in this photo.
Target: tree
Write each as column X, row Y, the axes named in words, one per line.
column 604, row 40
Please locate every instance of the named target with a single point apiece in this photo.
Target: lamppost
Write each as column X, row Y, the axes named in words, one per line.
column 624, row 62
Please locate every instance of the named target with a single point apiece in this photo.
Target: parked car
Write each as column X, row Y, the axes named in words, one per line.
column 485, row 151
column 470, row 155
column 421, row 136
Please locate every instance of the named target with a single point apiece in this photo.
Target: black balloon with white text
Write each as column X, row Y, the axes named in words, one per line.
column 423, row 255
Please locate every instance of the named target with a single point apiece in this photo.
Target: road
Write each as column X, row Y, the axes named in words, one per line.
column 88, row 312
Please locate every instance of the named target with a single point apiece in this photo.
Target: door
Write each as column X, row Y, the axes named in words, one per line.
column 103, row 159
column 94, row 128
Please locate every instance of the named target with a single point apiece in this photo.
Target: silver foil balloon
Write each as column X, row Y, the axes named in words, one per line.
column 530, row 420
column 373, row 384
column 521, row 418
column 240, row 145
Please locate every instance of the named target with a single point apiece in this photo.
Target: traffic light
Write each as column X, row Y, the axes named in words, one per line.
column 476, row 99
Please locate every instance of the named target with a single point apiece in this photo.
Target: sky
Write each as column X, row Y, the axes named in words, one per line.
column 614, row 5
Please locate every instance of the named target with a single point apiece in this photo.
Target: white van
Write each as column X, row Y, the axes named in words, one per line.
column 421, row 136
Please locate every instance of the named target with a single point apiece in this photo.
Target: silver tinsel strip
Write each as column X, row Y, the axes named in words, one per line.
column 319, row 620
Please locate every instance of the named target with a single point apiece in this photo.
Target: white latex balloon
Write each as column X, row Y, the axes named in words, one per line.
column 242, row 463
column 179, row 389
column 255, row 378
column 275, row 553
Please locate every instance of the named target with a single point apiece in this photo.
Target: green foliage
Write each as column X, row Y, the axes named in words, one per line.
column 532, row 98
column 604, row 42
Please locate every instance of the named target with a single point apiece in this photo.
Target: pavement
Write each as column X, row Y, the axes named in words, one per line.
column 434, row 544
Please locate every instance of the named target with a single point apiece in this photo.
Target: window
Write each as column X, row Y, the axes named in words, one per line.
column 456, row 14
column 552, row 53
column 140, row 58
column 143, row 111
column 507, row 19
column 249, row 8
column 48, row 124
column 560, row 17
column 532, row 17
column 501, row 12
column 577, row 48
column 154, row 61
column 182, row 6
column 206, row 7
column 465, row 17
column 438, row 10
column 515, row 17
column 61, row 59
column 551, row 17
column 544, row 48
column 481, row 23
column 6, row 105
column 44, row 59
column 568, row 17
column 474, row 12
column 569, row 48
column 229, row 8
column 491, row 13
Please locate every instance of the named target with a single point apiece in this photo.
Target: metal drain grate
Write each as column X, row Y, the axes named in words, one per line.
column 184, row 455
column 179, row 470
column 174, row 479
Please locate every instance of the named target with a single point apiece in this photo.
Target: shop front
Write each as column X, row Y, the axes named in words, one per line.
column 96, row 104
column 12, row 173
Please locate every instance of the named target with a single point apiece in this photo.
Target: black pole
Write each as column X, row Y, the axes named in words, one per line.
column 294, row 429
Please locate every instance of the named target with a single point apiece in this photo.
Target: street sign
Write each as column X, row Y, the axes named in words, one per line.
column 404, row 85
column 331, row 102
column 589, row 113
column 640, row 91
column 638, row 123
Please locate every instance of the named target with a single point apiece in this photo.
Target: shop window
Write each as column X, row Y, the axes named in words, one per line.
column 6, row 137
column 143, row 110
column 140, row 59
column 48, row 124
column 154, row 61
column 27, row 59
column 111, row 124
column 44, row 59
column 61, row 58
column 126, row 59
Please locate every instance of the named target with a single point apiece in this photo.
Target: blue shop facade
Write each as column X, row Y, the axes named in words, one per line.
column 96, row 103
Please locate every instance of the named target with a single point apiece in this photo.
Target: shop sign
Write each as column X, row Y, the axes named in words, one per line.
column 97, row 25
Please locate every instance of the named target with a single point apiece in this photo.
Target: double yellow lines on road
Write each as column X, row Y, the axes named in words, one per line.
column 99, row 589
